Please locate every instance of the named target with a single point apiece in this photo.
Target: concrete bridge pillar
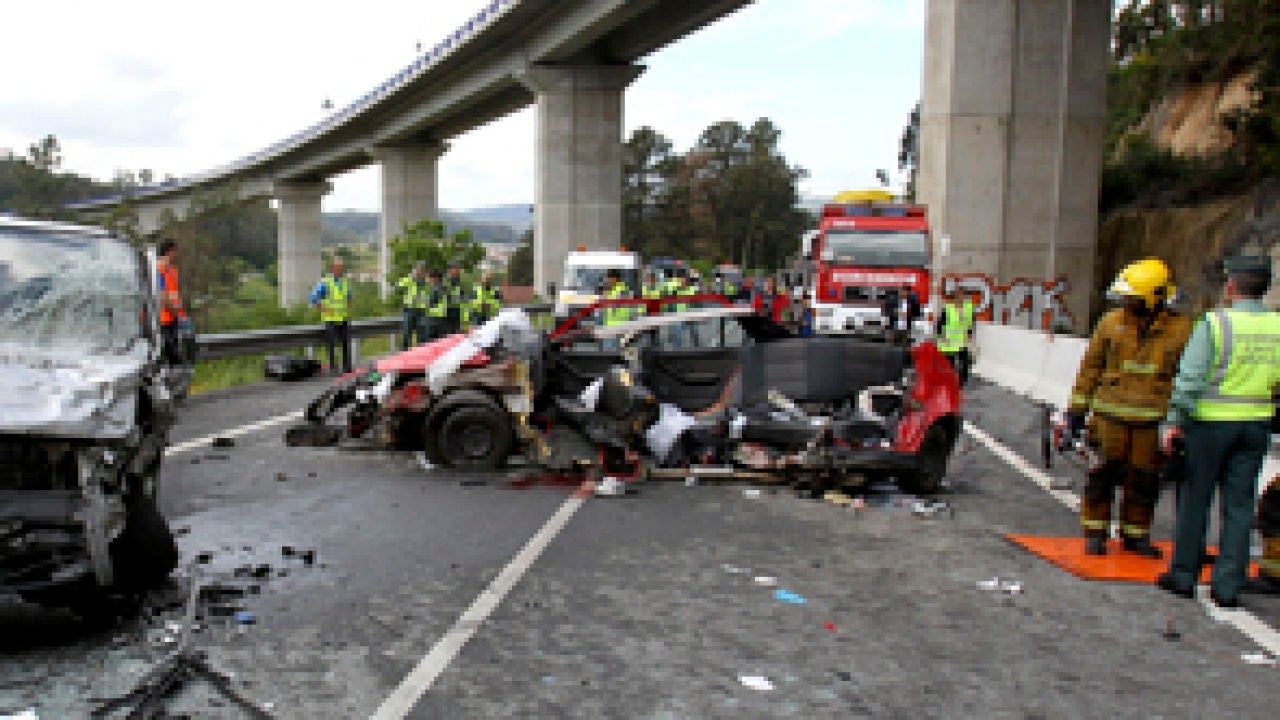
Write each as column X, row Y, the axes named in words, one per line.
column 298, row 239
column 1012, row 126
column 409, row 193
column 578, row 168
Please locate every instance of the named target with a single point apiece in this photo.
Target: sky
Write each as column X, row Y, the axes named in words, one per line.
column 180, row 88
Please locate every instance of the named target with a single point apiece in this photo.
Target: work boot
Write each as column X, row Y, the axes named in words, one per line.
column 1095, row 545
column 1168, row 584
column 1141, row 545
column 1261, row 585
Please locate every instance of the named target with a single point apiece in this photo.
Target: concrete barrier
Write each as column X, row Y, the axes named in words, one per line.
column 1011, row 357
column 1062, row 360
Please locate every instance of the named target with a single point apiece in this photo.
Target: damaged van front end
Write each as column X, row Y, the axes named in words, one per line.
column 84, row 416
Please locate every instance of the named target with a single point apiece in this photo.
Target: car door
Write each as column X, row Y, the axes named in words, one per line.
column 575, row 366
column 693, row 364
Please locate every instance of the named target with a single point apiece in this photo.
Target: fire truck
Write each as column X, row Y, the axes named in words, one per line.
column 868, row 251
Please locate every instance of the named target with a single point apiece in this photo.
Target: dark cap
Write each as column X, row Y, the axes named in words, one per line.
column 1247, row 264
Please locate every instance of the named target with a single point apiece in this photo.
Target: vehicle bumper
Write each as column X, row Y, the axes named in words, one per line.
column 42, row 540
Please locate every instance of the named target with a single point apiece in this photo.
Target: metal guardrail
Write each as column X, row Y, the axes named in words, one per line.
column 212, row 346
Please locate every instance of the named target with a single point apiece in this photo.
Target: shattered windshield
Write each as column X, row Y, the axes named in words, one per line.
column 62, row 289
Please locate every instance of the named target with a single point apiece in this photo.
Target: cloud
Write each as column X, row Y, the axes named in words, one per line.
column 152, row 118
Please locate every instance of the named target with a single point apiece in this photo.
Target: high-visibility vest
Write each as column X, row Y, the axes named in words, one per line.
column 485, row 303
column 955, row 328
column 686, row 290
column 415, row 292
column 171, row 309
column 437, row 302
column 617, row 315
column 334, row 306
column 1246, row 366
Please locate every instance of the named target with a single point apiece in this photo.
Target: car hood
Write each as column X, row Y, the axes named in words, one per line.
column 418, row 359
column 65, row 395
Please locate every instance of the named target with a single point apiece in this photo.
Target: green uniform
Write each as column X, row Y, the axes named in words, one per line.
column 437, row 310
column 414, row 293
column 457, row 307
column 1223, row 399
column 485, row 303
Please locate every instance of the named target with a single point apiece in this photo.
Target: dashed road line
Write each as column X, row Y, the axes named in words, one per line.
column 424, row 674
column 1242, row 620
column 233, row 432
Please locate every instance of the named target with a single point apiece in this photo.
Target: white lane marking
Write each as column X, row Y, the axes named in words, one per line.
column 423, row 676
column 1242, row 620
column 1034, row 474
column 207, row 440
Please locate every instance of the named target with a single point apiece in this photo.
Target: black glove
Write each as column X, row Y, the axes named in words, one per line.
column 1075, row 424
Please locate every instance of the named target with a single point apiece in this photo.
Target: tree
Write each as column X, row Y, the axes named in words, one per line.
column 46, row 154
column 426, row 241
column 646, row 165
column 909, row 151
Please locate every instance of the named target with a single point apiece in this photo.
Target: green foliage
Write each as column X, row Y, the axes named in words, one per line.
column 909, row 151
column 29, row 186
column 426, row 241
column 731, row 198
column 520, row 264
column 1160, row 46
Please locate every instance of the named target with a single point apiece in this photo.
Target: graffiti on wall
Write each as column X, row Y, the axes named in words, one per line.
column 1037, row 304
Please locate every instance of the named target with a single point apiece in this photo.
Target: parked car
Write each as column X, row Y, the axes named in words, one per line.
column 826, row 410
column 86, row 402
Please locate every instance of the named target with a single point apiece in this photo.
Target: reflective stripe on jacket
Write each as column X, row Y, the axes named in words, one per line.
column 1245, row 369
column 334, row 306
column 171, row 309
column 1127, row 370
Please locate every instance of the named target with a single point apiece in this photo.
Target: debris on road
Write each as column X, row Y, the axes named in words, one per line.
column 765, row 580
column 1170, row 632
column 1011, row 587
column 223, row 442
column 787, row 596
column 928, row 508
column 751, row 493
column 734, row 569
column 830, row 627
column 1259, row 658
column 990, row 585
column 756, row 682
column 29, row 714
column 245, row 617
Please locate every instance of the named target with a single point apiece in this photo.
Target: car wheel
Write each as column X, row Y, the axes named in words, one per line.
column 933, row 464
column 145, row 553
column 474, row 437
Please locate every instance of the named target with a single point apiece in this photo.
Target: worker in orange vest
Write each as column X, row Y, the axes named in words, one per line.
column 173, row 316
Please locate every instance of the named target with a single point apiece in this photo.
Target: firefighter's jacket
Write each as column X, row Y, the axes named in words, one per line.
column 1127, row 370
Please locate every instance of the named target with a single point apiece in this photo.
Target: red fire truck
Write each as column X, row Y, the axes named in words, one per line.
column 869, row 252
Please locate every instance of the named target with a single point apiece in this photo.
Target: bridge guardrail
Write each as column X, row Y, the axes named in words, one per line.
column 212, row 346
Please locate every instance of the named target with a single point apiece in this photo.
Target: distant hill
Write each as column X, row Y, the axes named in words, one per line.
column 500, row 224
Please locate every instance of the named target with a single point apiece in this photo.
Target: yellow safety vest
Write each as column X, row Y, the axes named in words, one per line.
column 955, row 329
column 440, row 307
column 485, row 303
column 334, row 304
column 1246, row 366
column 617, row 315
column 415, row 292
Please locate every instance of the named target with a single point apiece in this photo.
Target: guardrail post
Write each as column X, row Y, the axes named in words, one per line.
column 355, row 351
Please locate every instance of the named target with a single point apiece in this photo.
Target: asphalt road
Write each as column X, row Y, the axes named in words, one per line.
column 643, row 607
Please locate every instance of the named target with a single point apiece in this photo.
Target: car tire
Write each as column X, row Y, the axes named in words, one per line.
column 933, row 453
column 473, row 437
column 145, row 553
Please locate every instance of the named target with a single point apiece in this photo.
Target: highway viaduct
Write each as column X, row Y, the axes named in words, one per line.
column 1014, row 98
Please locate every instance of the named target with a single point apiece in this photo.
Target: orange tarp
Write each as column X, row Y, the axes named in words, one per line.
column 1116, row 566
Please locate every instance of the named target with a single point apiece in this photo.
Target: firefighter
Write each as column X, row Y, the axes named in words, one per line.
column 456, row 307
column 1124, row 378
column 955, row 330
column 437, row 306
column 486, row 301
column 1222, row 405
column 174, row 322
column 414, row 291
column 333, row 296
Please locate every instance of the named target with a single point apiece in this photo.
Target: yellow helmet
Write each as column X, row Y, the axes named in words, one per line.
column 1147, row 279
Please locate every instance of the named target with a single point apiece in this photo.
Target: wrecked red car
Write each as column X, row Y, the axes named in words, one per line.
column 718, row 386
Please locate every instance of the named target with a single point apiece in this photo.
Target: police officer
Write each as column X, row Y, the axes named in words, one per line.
column 955, row 328
column 437, row 306
column 1124, row 378
column 414, row 291
column 651, row 289
column 456, row 305
column 486, row 300
column 333, row 296
column 1222, row 405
